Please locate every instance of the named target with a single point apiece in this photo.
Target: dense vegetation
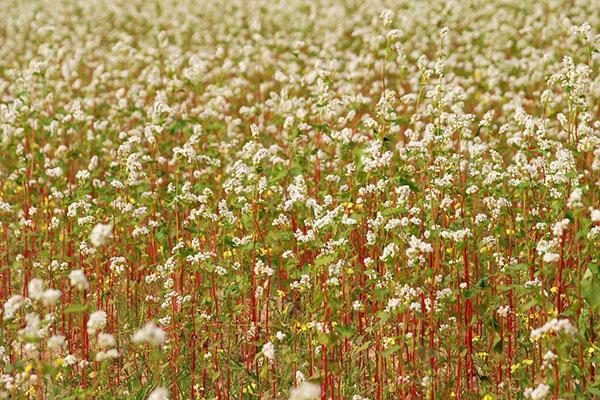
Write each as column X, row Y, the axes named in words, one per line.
column 255, row 199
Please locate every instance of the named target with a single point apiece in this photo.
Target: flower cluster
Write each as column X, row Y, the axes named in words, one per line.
column 299, row 200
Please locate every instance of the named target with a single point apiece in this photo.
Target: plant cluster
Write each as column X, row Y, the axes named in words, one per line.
column 300, row 199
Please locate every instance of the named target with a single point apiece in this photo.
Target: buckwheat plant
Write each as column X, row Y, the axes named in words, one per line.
column 300, row 199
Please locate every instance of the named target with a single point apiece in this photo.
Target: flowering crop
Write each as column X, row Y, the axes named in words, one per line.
column 303, row 199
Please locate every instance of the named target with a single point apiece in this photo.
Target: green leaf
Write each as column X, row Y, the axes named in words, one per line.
column 362, row 347
column 391, row 350
column 482, row 283
column 75, row 308
column 589, row 289
column 322, row 260
column 344, row 331
column 327, row 339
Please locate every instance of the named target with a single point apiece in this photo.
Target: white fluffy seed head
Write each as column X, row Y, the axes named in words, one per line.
column 150, row 334
column 106, row 340
column 78, row 279
column 96, row 322
column 268, row 350
column 100, row 234
column 51, row 296
column 159, row 394
column 35, row 288
column 306, row 391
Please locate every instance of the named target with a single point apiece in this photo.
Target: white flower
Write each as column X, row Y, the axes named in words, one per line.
column 51, row 296
column 106, row 340
column 96, row 322
column 554, row 325
column 150, row 334
column 559, row 228
column 12, row 305
column 79, row 280
column 70, row 359
column 539, row 393
column 159, row 394
column 56, row 342
column 387, row 16
column 268, row 350
column 306, row 391
column 107, row 355
column 35, row 288
column 100, row 234
column 575, row 197
column 551, row 257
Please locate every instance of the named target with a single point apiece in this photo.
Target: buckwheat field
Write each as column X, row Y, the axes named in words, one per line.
column 299, row 200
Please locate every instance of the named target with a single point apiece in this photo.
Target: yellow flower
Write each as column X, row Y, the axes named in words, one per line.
column 527, row 362
column 250, row 388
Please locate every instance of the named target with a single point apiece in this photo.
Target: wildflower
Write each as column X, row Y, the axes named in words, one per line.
column 554, row 325
column 106, row 340
column 100, row 234
column 268, row 350
column 56, row 342
column 159, row 394
column 96, row 322
column 70, row 359
column 79, row 280
column 150, row 334
column 12, row 305
column 35, row 288
column 539, row 393
column 387, row 16
column 51, row 296
column 107, row 355
column 306, row 391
